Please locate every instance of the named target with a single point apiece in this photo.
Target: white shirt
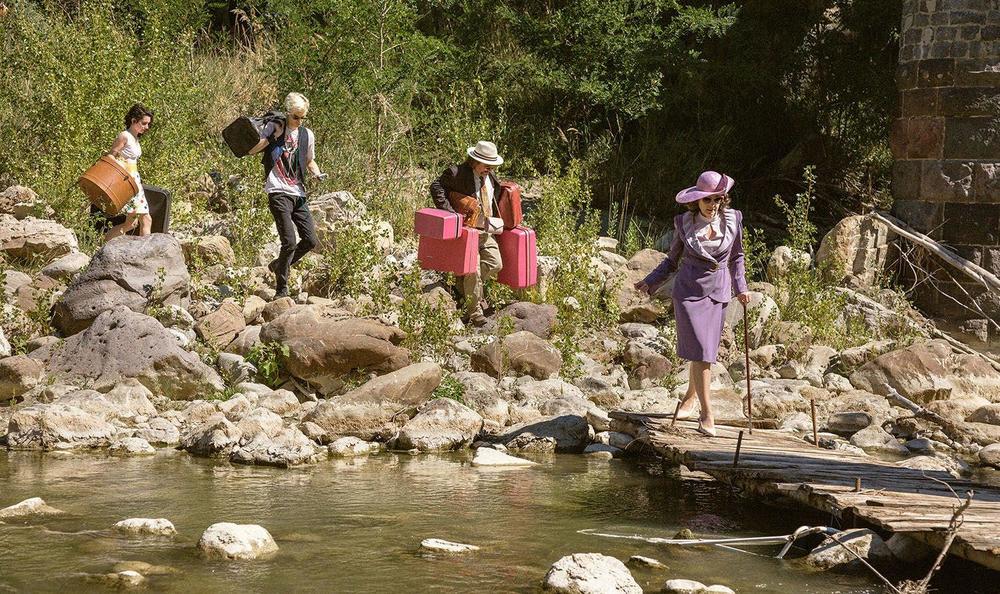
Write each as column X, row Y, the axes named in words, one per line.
column 701, row 231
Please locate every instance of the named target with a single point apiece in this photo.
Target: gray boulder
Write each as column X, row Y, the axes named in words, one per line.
column 443, row 424
column 864, row 542
column 590, row 573
column 123, row 344
column 56, row 427
column 876, row 439
column 129, row 271
column 521, row 353
column 65, row 267
column 539, row 319
column 34, row 239
column 483, row 396
column 566, row 433
column 18, row 375
column 324, row 346
column 236, row 541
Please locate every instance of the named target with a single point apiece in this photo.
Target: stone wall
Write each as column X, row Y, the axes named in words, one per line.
column 946, row 178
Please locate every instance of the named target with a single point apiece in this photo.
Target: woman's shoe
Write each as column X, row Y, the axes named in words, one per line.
column 709, row 431
column 686, row 415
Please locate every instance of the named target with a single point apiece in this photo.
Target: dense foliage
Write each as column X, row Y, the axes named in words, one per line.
column 641, row 93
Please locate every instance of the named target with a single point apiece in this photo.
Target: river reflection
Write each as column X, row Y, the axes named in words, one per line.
column 355, row 525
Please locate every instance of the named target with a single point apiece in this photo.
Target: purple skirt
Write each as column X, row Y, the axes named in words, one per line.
column 699, row 328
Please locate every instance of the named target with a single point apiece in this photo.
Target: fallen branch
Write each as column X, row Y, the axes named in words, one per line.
column 953, row 430
column 978, row 273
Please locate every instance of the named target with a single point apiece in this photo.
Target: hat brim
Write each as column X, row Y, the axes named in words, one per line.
column 693, row 194
column 471, row 151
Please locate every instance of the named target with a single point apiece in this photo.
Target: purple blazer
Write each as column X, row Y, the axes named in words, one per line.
column 700, row 274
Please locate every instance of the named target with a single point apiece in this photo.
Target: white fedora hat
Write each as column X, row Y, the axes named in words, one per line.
column 485, row 152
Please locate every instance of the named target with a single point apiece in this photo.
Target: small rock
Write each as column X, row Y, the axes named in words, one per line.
column 598, row 419
column 35, row 506
column 683, row 587
column 131, row 446
column 491, row 457
column 877, row 439
column 920, row 445
column 158, row 526
column 848, row 423
column 128, row 579
column 143, row 568
column 600, row 450
column 436, row 545
column 646, row 562
column 236, row 541
column 352, row 446
column 989, row 455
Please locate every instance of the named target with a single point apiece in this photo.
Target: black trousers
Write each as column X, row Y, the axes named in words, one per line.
column 291, row 214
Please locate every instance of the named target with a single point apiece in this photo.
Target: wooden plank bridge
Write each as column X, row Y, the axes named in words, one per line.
column 775, row 464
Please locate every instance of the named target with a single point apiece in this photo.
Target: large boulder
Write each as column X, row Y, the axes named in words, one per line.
column 34, row 239
column 124, row 344
column 56, row 427
column 236, row 541
column 522, row 353
column 65, row 267
column 135, row 272
column 322, row 348
column 365, row 411
column 928, row 371
column 566, row 433
column 645, row 362
column 856, row 248
column 443, row 424
column 285, row 448
column 590, row 573
column 208, row 250
column 539, row 319
column 18, row 374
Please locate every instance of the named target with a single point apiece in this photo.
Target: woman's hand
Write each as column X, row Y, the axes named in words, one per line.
column 743, row 298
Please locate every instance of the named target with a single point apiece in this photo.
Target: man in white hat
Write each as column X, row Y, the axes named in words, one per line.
column 474, row 178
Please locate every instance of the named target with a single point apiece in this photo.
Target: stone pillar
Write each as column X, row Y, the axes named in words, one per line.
column 946, row 177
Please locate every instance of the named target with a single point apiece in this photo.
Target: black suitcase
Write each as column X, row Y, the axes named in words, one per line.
column 244, row 133
column 159, row 209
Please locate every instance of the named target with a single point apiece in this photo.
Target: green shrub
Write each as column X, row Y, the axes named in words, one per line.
column 429, row 326
column 268, row 358
column 451, row 388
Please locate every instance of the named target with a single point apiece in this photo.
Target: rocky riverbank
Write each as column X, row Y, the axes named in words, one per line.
column 163, row 342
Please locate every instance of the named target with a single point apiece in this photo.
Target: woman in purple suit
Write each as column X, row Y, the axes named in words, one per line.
column 707, row 253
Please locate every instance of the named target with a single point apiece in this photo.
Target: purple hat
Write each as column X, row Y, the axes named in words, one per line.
column 709, row 183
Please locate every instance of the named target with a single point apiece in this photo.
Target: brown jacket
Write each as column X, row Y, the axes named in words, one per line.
column 458, row 178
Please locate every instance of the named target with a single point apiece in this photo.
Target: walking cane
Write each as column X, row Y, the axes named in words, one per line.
column 746, row 349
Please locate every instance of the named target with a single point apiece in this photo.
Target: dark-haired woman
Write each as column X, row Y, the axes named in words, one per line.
column 707, row 253
column 127, row 150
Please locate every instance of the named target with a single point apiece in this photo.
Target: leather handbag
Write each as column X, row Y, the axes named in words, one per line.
column 468, row 207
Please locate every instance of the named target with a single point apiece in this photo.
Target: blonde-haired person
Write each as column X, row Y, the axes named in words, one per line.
column 290, row 153
column 127, row 150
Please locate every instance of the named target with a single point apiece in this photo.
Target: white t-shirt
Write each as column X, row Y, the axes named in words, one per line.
column 280, row 180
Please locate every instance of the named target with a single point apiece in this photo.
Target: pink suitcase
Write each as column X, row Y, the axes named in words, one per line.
column 437, row 224
column 459, row 256
column 519, row 252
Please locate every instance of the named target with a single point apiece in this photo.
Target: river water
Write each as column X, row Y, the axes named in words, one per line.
column 356, row 525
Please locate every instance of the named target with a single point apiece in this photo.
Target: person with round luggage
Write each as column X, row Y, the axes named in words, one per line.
column 127, row 151
column 707, row 254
